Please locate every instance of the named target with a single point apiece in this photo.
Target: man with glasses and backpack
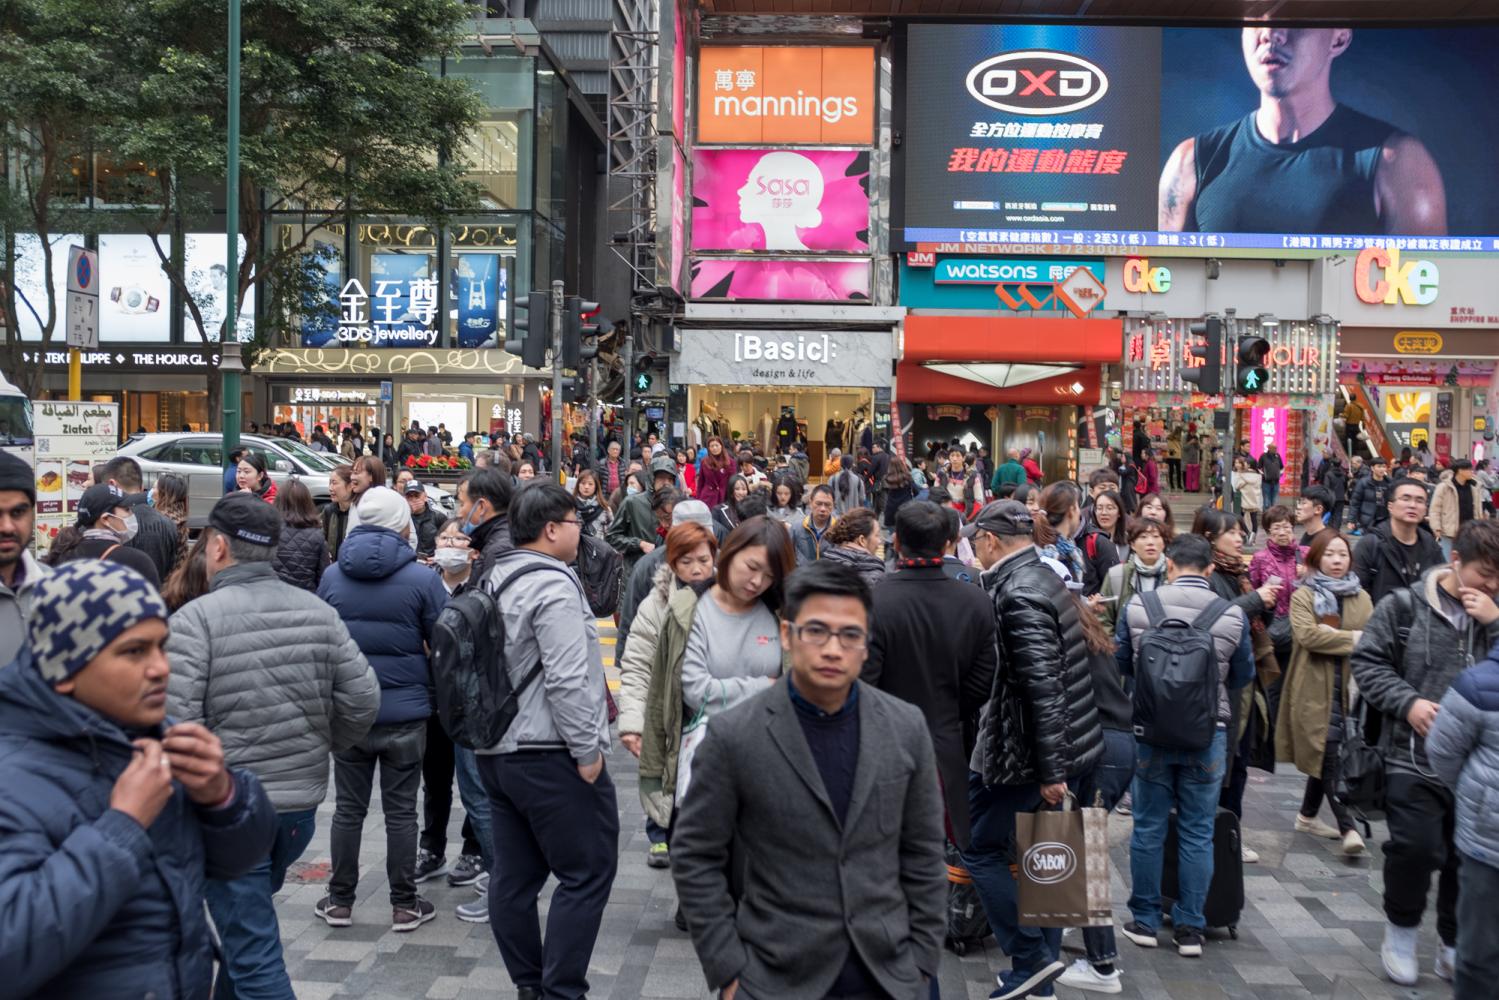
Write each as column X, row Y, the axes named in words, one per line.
column 1186, row 648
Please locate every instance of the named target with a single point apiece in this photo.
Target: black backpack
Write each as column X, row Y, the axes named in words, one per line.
column 476, row 700
column 599, row 568
column 1176, row 678
column 1360, row 786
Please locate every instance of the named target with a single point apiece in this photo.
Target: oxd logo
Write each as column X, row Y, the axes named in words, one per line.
column 1049, row 862
column 1037, row 82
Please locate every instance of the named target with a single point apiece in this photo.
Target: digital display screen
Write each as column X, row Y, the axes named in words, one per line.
column 1097, row 138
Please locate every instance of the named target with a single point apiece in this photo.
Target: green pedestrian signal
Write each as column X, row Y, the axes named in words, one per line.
column 1252, row 379
column 1253, row 352
column 642, row 382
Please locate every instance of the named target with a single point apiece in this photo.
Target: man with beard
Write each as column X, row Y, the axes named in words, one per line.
column 1301, row 162
column 20, row 572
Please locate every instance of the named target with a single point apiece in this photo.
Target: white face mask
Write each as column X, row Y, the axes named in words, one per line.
column 450, row 560
column 130, row 527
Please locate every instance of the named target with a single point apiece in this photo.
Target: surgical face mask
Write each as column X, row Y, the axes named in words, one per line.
column 450, row 560
column 469, row 525
column 632, row 489
column 130, row 526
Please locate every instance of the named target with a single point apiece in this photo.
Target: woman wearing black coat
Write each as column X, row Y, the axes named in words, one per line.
column 302, row 554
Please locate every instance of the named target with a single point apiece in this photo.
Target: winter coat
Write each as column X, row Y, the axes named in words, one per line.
column 601, row 469
column 156, row 534
column 1271, row 466
column 15, row 604
column 1100, row 555
column 1444, row 506
column 635, row 662
column 1464, row 749
column 894, row 499
column 932, row 643
column 96, row 906
column 1041, row 723
column 1010, row 471
column 1273, row 560
column 1369, row 503
column 596, row 518
column 633, row 523
column 849, row 492
column 426, row 525
column 1306, row 692
column 1434, row 654
column 1249, row 486
column 1121, row 582
column 1032, row 470
column 335, row 526
column 272, row 671
column 870, row 567
column 492, row 539
column 713, row 484
column 301, row 556
column 661, row 730
column 1381, row 567
column 1335, row 478
column 390, row 603
column 808, row 541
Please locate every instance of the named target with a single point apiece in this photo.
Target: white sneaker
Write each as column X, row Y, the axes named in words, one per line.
column 1398, row 954
column 1446, row 962
column 1248, row 855
column 1315, row 827
column 1352, row 843
column 1081, row 975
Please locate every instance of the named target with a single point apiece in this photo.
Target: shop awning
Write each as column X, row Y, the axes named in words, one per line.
column 999, row 374
column 1060, row 341
column 916, row 383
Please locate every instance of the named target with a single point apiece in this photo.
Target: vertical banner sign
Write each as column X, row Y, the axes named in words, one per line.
column 1267, row 425
column 477, row 291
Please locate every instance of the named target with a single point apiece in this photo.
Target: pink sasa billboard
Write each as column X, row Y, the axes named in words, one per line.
column 780, row 200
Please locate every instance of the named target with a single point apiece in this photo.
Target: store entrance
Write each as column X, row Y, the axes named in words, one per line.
column 823, row 418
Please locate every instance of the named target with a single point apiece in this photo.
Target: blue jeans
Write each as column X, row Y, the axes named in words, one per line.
column 1270, row 492
column 992, row 811
column 475, row 802
column 244, row 912
column 1187, row 781
column 1104, row 786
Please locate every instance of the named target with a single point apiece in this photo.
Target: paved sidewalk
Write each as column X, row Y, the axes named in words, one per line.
column 1312, row 927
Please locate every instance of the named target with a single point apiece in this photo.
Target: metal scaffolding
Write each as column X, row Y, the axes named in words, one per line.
column 633, row 54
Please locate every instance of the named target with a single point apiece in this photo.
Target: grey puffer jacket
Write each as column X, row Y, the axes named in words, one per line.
column 1433, row 654
column 1464, row 749
column 870, row 567
column 272, row 671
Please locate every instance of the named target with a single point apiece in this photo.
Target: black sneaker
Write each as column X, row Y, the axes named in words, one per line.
column 466, row 870
column 332, row 914
column 412, row 915
column 1189, row 942
column 429, row 866
column 1141, row 935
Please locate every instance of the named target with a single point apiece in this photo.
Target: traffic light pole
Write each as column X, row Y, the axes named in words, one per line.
column 593, row 409
column 556, row 338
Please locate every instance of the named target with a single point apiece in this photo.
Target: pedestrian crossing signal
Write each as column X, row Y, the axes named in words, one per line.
column 1253, row 351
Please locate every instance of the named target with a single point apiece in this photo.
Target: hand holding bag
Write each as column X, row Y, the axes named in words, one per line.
column 1062, row 865
column 693, row 735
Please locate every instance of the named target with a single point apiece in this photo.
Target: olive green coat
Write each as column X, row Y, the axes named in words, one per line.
column 1306, row 694
column 661, row 736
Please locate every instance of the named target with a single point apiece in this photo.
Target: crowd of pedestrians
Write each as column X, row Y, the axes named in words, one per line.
column 839, row 693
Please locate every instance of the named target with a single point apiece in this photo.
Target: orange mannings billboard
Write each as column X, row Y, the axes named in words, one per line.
column 792, row 94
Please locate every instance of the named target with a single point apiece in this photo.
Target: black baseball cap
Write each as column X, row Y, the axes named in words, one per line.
column 98, row 500
column 412, row 486
column 1002, row 517
column 248, row 518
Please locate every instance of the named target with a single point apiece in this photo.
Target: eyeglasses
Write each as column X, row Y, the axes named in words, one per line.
column 570, row 520
column 818, row 634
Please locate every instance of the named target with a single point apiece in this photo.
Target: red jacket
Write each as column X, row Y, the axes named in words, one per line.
column 1032, row 470
column 712, row 484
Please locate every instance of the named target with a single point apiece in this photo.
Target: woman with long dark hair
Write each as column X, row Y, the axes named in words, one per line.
column 1109, row 516
column 1055, row 532
column 899, row 488
column 713, row 476
column 302, row 554
column 336, row 511
column 189, row 580
column 169, row 497
column 726, row 514
column 786, row 499
column 251, row 477
column 593, row 508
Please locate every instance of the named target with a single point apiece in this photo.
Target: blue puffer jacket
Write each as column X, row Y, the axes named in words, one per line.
column 1463, row 747
column 390, row 603
column 91, row 905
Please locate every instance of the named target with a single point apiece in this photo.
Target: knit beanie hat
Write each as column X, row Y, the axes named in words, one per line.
column 382, row 507
column 16, row 474
column 80, row 608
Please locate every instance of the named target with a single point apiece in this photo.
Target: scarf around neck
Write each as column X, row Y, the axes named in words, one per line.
column 1233, row 568
column 1156, row 574
column 1328, row 590
column 1069, row 555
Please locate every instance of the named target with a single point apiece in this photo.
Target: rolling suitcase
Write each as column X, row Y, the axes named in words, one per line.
column 1225, row 901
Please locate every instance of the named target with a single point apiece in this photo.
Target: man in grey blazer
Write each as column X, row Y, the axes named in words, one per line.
column 830, row 787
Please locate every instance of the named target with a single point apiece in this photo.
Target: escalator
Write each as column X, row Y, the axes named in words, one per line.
column 1374, row 440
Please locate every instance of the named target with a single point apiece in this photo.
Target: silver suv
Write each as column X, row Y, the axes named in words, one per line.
column 199, row 459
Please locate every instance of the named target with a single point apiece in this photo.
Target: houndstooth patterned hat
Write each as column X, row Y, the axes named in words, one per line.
column 80, row 608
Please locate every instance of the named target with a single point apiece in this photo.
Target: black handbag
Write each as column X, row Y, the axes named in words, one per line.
column 1360, row 787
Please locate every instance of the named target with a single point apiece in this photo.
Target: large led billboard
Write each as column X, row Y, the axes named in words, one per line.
column 1097, row 138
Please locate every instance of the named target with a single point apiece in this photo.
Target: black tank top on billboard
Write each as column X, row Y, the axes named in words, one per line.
column 1323, row 183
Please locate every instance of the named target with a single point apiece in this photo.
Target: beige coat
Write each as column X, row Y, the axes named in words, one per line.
column 1306, row 696
column 640, row 651
column 1444, row 509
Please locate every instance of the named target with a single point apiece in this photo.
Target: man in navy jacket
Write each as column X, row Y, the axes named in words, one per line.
column 111, row 817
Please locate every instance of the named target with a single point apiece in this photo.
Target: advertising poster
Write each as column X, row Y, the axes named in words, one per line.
column 476, row 293
column 207, row 279
column 31, row 282
column 402, row 300
column 70, row 438
column 320, row 313
column 781, row 200
column 1259, row 138
column 781, row 280
column 134, row 291
column 1267, row 425
column 786, row 94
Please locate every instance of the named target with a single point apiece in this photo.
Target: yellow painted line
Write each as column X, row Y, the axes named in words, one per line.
column 604, row 622
column 613, row 684
column 607, row 640
column 608, row 661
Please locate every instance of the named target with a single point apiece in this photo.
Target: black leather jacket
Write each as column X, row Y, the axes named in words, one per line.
column 1042, row 724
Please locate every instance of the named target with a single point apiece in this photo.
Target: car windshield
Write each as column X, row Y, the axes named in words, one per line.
column 320, row 461
column 15, row 420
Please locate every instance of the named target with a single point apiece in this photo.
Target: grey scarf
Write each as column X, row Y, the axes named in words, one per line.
column 1327, row 590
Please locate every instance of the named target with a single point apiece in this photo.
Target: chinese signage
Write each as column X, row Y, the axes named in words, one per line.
column 789, row 200
column 1380, row 277
column 1302, row 361
column 800, row 94
column 304, row 394
column 1418, row 342
column 1144, row 137
column 781, row 357
column 397, row 307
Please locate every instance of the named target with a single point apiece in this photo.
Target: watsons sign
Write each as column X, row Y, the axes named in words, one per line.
column 982, row 271
column 784, row 358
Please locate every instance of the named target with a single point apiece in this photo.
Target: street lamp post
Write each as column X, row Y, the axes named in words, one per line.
column 230, row 365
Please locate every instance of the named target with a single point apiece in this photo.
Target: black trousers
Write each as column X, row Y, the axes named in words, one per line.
column 548, row 821
column 1477, row 933
column 437, row 794
column 1421, row 814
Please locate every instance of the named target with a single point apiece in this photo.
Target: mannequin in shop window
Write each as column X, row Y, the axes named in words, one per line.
column 767, row 432
column 786, row 429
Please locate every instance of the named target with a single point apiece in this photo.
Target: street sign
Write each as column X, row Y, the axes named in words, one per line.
column 387, row 391
column 1080, row 292
column 82, row 306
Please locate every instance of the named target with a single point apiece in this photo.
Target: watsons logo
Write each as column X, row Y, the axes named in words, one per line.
column 800, row 105
column 1037, row 82
column 990, row 272
column 1049, row 862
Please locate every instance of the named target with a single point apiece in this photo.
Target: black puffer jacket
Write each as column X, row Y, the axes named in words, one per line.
column 302, row 556
column 1041, row 724
column 427, row 524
